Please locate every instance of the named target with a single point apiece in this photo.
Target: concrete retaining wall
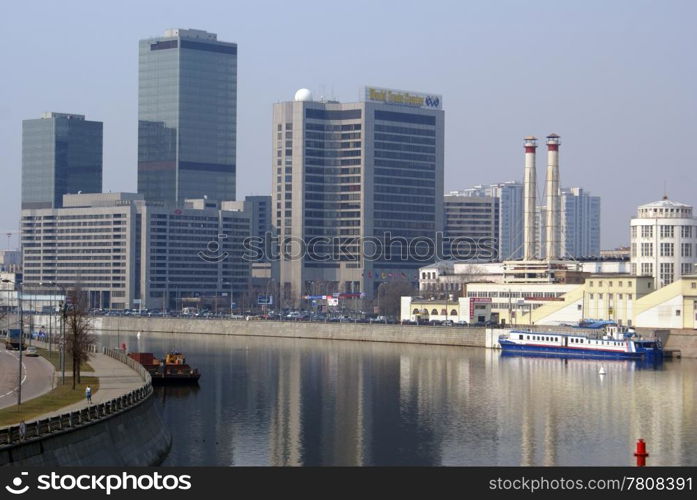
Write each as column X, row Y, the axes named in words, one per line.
column 136, row 437
column 410, row 334
column 684, row 341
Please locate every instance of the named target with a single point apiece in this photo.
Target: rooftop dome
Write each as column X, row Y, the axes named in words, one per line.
column 303, row 95
column 665, row 203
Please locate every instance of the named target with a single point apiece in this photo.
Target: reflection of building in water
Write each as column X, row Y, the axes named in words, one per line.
column 565, row 413
column 285, row 433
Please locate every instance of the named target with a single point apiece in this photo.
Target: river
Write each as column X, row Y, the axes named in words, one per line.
column 267, row 401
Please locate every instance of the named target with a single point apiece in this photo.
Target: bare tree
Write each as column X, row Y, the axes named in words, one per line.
column 390, row 294
column 79, row 330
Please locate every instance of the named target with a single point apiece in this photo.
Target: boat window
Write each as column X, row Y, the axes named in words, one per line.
column 520, row 337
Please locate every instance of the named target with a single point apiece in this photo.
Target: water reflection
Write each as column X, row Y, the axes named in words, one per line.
column 309, row 402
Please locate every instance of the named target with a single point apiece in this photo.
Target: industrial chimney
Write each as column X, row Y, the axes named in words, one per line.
column 529, row 199
column 553, row 219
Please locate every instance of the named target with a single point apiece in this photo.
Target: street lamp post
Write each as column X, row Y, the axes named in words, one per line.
column 64, row 314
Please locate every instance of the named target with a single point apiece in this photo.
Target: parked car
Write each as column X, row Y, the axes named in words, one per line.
column 31, row 351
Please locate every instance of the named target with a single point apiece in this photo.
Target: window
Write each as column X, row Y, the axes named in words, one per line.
column 667, row 231
column 634, row 231
column 667, row 271
column 647, row 249
column 520, row 337
column 686, row 248
column 404, row 117
column 647, row 269
column 666, row 248
column 647, row 231
column 325, row 114
column 435, row 311
column 686, row 231
column 677, row 312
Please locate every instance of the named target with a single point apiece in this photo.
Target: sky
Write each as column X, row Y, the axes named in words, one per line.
column 617, row 80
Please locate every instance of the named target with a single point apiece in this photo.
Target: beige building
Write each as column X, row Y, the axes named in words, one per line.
column 512, row 303
column 601, row 297
column 673, row 306
column 462, row 310
column 348, row 177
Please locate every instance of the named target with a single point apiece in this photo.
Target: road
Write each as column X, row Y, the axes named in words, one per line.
column 37, row 377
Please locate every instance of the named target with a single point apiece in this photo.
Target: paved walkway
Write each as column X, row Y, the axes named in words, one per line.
column 115, row 379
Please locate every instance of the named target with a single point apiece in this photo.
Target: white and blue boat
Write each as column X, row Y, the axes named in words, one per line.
column 616, row 343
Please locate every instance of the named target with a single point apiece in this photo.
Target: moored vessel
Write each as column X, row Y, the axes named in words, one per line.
column 616, row 342
column 172, row 369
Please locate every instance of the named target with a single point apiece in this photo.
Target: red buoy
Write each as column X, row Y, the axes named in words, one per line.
column 640, row 453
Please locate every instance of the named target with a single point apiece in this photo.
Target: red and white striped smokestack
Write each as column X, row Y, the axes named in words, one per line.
column 529, row 199
column 553, row 200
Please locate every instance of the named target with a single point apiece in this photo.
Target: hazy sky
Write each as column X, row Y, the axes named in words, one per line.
column 616, row 79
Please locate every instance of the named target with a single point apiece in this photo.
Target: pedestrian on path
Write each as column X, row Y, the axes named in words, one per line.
column 88, row 394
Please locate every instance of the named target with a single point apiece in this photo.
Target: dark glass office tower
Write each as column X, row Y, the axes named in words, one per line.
column 61, row 154
column 187, row 117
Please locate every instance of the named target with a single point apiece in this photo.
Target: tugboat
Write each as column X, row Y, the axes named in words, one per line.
column 617, row 343
column 170, row 370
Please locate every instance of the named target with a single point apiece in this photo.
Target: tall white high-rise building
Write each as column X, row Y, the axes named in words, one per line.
column 509, row 196
column 663, row 241
column 580, row 224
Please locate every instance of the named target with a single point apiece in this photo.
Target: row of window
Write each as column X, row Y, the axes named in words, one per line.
column 665, row 231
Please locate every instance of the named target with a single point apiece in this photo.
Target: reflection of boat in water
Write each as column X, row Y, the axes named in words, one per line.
column 179, row 391
column 170, row 370
column 616, row 343
column 610, row 365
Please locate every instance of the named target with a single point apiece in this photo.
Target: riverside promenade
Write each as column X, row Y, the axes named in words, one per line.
column 115, row 380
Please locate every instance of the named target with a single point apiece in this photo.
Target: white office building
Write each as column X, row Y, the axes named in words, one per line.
column 663, row 241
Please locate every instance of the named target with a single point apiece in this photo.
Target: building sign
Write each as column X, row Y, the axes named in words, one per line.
column 477, row 300
column 265, row 300
column 403, row 98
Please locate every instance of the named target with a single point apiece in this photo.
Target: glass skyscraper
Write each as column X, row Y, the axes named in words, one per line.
column 61, row 154
column 187, row 117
